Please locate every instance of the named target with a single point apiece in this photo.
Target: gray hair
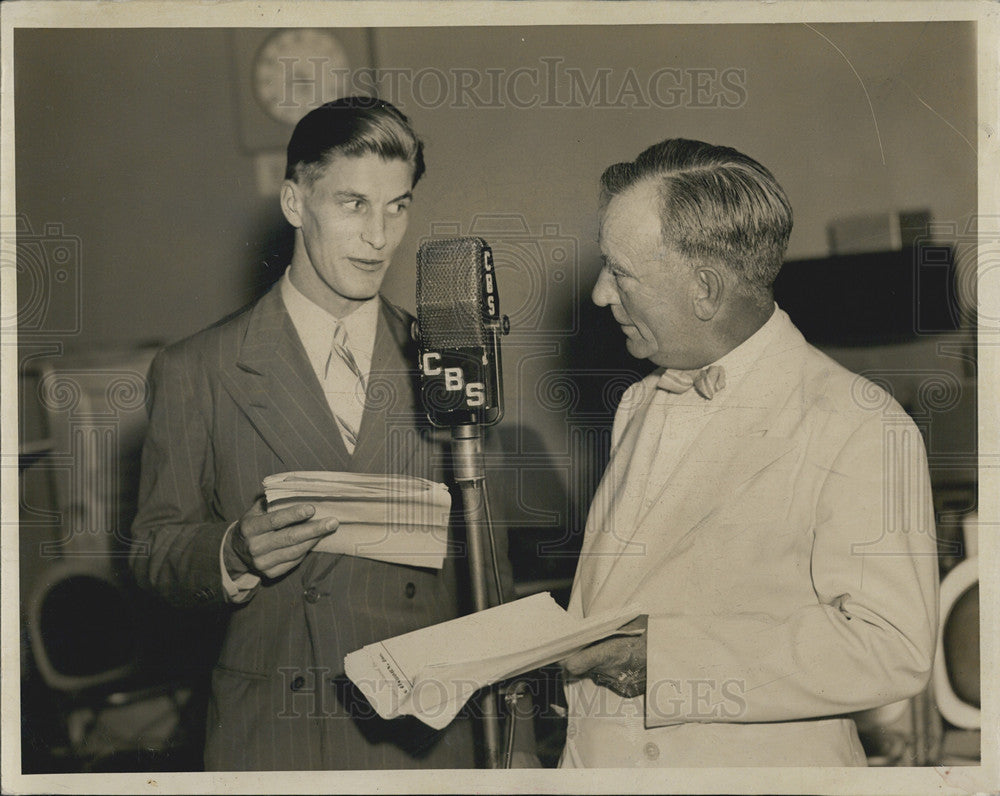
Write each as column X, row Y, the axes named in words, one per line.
column 715, row 203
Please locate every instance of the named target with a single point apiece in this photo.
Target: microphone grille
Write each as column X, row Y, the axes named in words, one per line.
column 450, row 303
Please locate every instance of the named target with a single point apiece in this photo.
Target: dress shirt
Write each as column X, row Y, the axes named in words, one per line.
column 315, row 328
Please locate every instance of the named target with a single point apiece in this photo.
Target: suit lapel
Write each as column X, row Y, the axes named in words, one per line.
column 611, row 522
column 388, row 435
column 738, row 444
column 274, row 384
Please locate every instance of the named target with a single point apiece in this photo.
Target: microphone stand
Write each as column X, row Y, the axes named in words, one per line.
column 467, row 453
column 470, row 475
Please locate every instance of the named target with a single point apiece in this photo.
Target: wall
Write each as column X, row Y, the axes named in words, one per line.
column 129, row 139
column 126, row 139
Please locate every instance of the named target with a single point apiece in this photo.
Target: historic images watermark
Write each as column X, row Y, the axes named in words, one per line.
column 48, row 263
column 537, row 271
column 929, row 413
column 953, row 263
column 544, row 284
column 92, row 416
column 313, row 691
column 548, row 83
column 80, row 420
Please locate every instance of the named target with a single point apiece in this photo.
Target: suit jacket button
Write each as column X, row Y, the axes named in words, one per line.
column 297, row 682
column 652, row 751
column 410, row 590
column 311, row 595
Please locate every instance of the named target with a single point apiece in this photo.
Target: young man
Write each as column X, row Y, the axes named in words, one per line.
column 316, row 375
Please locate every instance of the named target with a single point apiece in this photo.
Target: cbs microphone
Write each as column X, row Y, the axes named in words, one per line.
column 459, row 326
column 458, row 332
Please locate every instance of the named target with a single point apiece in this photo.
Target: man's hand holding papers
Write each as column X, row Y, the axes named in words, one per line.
column 394, row 518
column 270, row 543
column 617, row 663
column 431, row 673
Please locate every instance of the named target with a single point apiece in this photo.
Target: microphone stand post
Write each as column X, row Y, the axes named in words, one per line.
column 465, row 348
column 470, row 475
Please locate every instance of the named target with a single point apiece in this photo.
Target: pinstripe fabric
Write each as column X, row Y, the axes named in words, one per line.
column 233, row 404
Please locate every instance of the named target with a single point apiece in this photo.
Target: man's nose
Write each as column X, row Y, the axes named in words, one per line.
column 374, row 230
column 604, row 293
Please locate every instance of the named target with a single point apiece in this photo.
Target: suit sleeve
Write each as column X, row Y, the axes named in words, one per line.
column 869, row 638
column 177, row 536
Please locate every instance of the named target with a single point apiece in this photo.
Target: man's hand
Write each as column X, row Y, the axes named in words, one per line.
column 269, row 544
column 617, row 663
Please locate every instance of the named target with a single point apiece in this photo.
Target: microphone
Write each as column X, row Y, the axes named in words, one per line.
column 458, row 329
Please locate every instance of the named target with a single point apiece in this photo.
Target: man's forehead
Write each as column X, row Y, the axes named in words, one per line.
column 359, row 171
column 634, row 213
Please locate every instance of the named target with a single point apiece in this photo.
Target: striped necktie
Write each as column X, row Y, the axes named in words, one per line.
column 339, row 348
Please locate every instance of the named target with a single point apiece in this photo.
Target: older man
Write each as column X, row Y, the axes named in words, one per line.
column 768, row 510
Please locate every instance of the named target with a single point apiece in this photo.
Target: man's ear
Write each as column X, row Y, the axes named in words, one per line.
column 710, row 287
column 291, row 202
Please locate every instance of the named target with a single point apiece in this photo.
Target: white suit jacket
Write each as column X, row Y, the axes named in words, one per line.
column 787, row 564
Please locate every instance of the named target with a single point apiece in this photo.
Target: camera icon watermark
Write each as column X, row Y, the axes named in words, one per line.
column 954, row 265
column 538, row 272
column 81, row 433
column 47, row 264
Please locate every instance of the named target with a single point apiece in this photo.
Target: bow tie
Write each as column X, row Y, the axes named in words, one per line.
column 706, row 381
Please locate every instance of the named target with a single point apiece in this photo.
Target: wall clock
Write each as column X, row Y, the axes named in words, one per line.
column 297, row 69
column 279, row 74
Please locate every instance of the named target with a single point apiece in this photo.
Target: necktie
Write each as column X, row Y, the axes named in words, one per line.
column 339, row 349
column 706, row 381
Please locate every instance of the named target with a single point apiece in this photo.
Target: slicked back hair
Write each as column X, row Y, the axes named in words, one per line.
column 352, row 127
column 716, row 204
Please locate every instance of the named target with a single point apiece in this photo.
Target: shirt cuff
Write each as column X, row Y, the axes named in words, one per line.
column 241, row 589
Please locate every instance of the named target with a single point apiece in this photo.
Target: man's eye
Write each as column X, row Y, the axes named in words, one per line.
column 401, row 207
column 353, row 204
column 615, row 272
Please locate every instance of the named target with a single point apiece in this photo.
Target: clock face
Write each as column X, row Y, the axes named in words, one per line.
column 298, row 69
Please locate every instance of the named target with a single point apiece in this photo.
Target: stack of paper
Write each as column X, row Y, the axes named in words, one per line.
column 395, row 518
column 432, row 672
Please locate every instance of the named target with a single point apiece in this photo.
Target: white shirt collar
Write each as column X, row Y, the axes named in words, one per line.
column 738, row 362
column 315, row 326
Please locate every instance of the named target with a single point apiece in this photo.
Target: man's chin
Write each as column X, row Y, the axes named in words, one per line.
column 363, row 295
column 363, row 289
column 638, row 348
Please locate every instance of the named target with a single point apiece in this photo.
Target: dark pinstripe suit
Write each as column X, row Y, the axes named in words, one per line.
column 233, row 404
